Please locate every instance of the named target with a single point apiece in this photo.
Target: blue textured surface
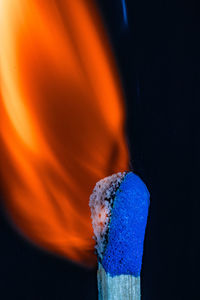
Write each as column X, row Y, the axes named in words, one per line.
column 124, row 250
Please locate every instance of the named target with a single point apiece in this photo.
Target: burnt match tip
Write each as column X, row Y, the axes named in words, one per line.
column 119, row 208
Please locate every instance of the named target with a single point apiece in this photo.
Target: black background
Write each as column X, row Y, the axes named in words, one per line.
column 158, row 57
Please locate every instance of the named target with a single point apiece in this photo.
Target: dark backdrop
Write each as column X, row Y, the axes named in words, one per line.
column 158, row 56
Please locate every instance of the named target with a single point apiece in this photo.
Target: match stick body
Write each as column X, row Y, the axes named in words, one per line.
column 122, row 287
column 119, row 206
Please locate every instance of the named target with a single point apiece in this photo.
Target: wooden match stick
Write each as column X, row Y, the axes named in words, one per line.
column 119, row 208
column 124, row 287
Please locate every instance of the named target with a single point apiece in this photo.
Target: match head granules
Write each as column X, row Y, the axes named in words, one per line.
column 119, row 207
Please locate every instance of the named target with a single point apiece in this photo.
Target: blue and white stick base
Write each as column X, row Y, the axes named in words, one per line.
column 119, row 287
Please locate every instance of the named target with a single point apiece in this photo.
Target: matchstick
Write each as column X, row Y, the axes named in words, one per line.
column 119, row 209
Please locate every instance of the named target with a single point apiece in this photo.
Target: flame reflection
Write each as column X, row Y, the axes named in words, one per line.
column 61, row 120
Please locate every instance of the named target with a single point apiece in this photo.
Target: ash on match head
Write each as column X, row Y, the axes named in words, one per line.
column 101, row 203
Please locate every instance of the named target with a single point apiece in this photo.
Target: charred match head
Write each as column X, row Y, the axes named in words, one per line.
column 119, row 207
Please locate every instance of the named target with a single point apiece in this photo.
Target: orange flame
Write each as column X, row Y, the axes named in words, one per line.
column 61, row 120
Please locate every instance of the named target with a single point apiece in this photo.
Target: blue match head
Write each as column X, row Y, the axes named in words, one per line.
column 124, row 249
